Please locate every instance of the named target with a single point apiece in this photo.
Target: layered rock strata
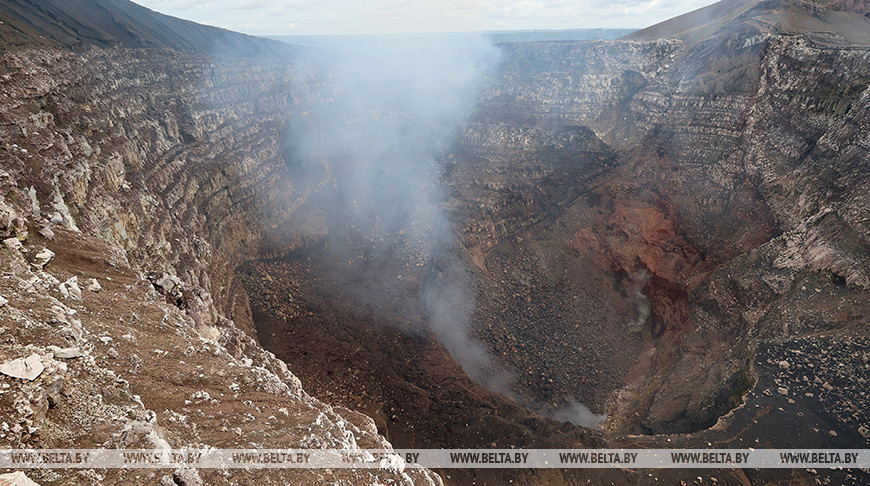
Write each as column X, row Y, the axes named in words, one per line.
column 153, row 173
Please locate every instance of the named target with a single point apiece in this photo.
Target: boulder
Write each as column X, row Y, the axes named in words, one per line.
column 13, row 244
column 24, row 368
column 65, row 353
column 42, row 258
column 47, row 233
column 166, row 283
column 70, row 288
column 182, row 477
column 16, row 478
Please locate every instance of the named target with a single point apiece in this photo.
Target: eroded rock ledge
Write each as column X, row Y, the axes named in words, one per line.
column 133, row 163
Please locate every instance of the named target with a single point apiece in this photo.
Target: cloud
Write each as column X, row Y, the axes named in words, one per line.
column 271, row 17
column 175, row 5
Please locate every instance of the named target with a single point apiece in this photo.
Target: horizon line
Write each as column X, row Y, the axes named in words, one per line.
column 455, row 32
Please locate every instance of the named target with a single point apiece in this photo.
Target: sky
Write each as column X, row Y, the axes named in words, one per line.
column 314, row 17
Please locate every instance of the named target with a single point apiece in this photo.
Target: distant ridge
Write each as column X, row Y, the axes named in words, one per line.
column 382, row 43
column 836, row 22
column 77, row 24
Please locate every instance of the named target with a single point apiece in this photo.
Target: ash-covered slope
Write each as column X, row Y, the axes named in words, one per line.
column 841, row 22
column 741, row 172
column 78, row 24
column 652, row 228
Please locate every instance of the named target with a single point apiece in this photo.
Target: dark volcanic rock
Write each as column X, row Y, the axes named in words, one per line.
column 673, row 232
column 80, row 24
column 700, row 199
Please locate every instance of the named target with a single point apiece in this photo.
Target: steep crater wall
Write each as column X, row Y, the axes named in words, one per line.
column 155, row 173
column 176, row 158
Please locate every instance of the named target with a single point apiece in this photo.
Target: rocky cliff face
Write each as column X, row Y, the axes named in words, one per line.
column 155, row 174
column 169, row 158
column 650, row 228
column 719, row 182
column 622, row 207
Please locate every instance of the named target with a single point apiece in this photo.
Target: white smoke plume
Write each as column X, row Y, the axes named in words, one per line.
column 576, row 413
column 637, row 299
column 375, row 138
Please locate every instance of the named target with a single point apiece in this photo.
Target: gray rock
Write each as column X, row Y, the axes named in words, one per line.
column 42, row 258
column 3, row 301
column 61, row 314
column 167, row 282
column 141, row 434
column 34, row 202
column 70, row 288
column 63, row 212
column 16, row 478
column 47, row 233
column 13, row 244
column 94, row 285
column 24, row 368
column 66, row 353
column 182, row 477
column 53, row 391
